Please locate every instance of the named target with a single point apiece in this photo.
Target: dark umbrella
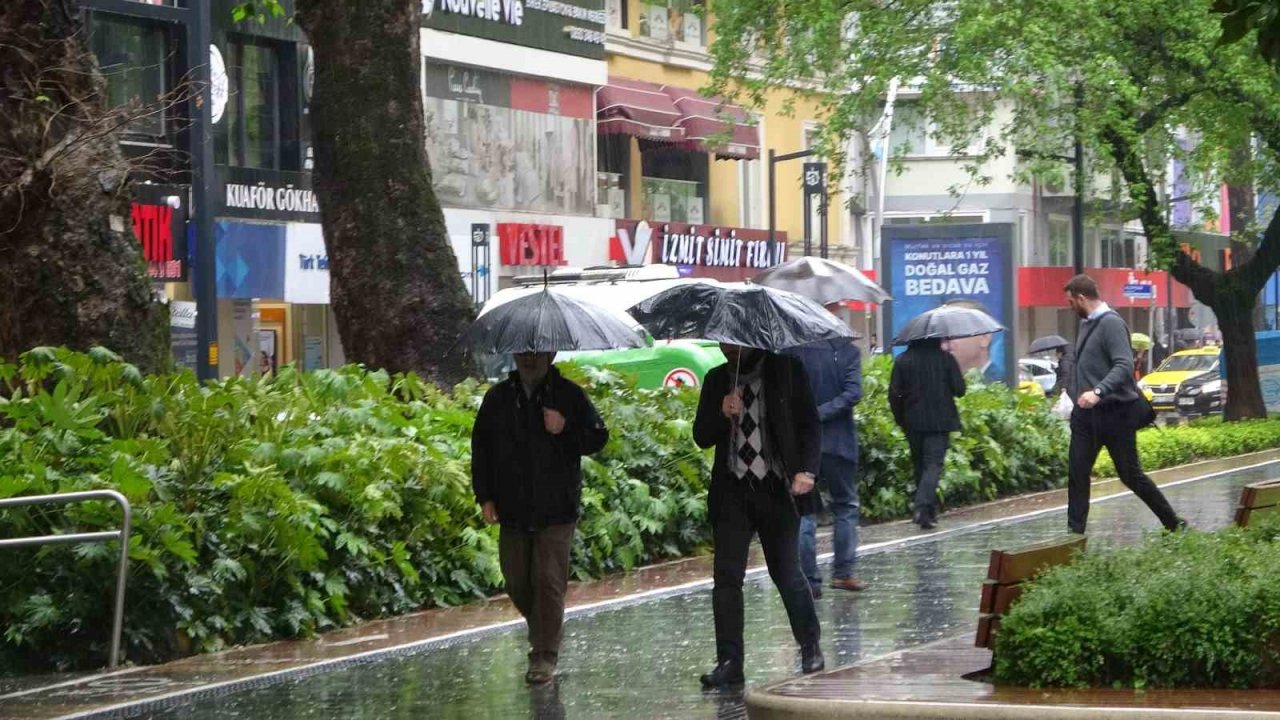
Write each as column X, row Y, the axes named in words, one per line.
column 1048, row 342
column 824, row 281
column 751, row 316
column 947, row 321
column 549, row 321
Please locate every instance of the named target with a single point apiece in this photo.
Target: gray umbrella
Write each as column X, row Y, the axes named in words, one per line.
column 1048, row 342
column 947, row 321
column 824, row 281
column 549, row 321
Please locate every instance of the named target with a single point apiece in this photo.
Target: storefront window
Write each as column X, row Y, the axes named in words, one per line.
column 673, row 21
column 672, row 200
column 131, row 54
column 613, row 162
column 253, row 119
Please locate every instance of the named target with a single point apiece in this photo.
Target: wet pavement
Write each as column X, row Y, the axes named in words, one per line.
column 642, row 660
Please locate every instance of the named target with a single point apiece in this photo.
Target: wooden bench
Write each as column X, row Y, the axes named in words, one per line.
column 1256, row 499
column 1006, row 572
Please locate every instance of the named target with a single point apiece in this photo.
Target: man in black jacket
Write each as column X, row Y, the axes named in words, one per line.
column 923, row 388
column 758, row 413
column 530, row 435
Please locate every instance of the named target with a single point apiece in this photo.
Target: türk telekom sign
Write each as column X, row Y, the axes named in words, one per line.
column 705, row 250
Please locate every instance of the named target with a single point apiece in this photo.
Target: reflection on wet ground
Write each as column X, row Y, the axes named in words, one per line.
column 643, row 660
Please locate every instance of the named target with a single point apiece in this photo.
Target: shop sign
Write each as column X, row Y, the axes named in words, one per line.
column 306, row 265
column 574, row 27
column 269, row 195
column 159, row 219
column 528, row 244
column 697, row 245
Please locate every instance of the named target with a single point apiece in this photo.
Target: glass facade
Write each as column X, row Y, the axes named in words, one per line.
column 131, row 54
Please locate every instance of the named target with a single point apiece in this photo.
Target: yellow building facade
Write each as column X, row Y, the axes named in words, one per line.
column 660, row 45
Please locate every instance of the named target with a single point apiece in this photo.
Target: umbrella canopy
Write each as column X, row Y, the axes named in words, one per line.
column 549, row 321
column 751, row 316
column 947, row 321
column 1048, row 342
column 1140, row 341
column 824, row 281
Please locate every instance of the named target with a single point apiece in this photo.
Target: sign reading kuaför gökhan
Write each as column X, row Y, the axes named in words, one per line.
column 574, row 27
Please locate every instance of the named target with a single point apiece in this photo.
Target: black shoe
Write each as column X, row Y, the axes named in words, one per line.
column 924, row 520
column 816, row 590
column 811, row 660
column 726, row 673
column 1180, row 526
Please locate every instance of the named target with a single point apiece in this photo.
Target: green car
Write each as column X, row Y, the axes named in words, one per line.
column 669, row 363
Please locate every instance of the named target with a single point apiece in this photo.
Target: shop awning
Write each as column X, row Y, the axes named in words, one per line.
column 642, row 109
column 714, row 126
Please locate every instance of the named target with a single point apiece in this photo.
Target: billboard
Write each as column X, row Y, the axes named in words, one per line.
column 971, row 265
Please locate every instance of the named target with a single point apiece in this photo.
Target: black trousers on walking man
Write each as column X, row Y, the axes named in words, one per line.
column 928, row 455
column 1108, row 426
column 740, row 512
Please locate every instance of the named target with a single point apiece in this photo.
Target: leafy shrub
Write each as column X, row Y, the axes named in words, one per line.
column 277, row 507
column 1161, row 447
column 1183, row 610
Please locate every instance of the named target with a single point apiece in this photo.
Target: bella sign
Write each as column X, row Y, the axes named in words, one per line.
column 526, row 244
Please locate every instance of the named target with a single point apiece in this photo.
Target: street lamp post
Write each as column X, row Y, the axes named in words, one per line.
column 774, row 159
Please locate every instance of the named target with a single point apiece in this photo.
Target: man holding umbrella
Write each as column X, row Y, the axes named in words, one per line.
column 758, row 412
column 530, row 434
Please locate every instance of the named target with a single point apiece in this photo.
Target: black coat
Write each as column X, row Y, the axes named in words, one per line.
column 791, row 421
column 534, row 477
column 923, row 388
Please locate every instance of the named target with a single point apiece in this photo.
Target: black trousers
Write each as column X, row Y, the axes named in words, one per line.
column 928, row 455
column 738, row 511
column 1107, row 426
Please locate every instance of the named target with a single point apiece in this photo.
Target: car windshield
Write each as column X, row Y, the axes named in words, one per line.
column 1188, row 363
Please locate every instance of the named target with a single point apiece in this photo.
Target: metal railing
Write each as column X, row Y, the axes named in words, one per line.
column 122, row 571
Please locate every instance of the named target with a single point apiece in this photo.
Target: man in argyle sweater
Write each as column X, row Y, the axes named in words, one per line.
column 758, row 412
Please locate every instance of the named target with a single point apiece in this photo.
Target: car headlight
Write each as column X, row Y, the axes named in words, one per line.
column 1213, row 386
column 1142, row 385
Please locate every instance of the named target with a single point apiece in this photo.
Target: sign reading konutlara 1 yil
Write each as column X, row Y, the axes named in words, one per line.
column 574, row 27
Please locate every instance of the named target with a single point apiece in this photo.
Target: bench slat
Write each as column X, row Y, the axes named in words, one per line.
column 1017, row 565
column 1260, row 495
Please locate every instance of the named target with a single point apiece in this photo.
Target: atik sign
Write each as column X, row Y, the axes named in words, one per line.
column 527, row 244
column 156, row 226
column 734, row 251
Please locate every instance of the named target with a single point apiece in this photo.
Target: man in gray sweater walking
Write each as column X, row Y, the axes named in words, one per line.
column 1107, row 408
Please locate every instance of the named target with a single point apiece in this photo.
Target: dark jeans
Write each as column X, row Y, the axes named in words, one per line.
column 740, row 512
column 1106, row 426
column 928, row 454
column 840, row 476
column 535, row 566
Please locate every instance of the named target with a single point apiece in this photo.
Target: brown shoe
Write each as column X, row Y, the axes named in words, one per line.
column 542, row 669
column 852, row 584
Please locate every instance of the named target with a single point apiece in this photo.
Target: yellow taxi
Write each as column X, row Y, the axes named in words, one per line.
column 1161, row 385
column 1029, row 386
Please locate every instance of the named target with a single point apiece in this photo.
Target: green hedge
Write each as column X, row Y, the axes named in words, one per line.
column 1184, row 610
column 278, row 507
column 1162, row 447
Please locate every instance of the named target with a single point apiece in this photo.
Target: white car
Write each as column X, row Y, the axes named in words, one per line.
column 1043, row 372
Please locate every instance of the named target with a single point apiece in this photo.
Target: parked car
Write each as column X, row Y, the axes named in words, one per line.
column 1043, row 372
column 1161, row 386
column 1029, row 386
column 1201, row 395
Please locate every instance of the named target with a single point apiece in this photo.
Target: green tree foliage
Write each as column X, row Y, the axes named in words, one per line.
column 1140, row 83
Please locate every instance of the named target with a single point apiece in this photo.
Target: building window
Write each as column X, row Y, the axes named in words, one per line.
column 673, row 185
column 751, row 213
column 913, row 135
column 677, row 21
column 253, row 108
column 1059, row 240
column 132, row 56
column 613, row 168
column 1117, row 249
column 618, row 14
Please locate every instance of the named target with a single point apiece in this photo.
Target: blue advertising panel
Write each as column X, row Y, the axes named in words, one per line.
column 250, row 260
column 970, row 265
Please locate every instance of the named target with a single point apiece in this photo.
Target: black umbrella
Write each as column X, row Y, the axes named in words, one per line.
column 549, row 321
column 825, row 281
column 947, row 321
column 1048, row 342
column 751, row 316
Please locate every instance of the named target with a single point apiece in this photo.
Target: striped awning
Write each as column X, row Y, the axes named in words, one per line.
column 715, row 126
column 638, row 108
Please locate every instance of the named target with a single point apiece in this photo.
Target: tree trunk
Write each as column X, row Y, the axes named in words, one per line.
column 71, row 272
column 396, row 289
